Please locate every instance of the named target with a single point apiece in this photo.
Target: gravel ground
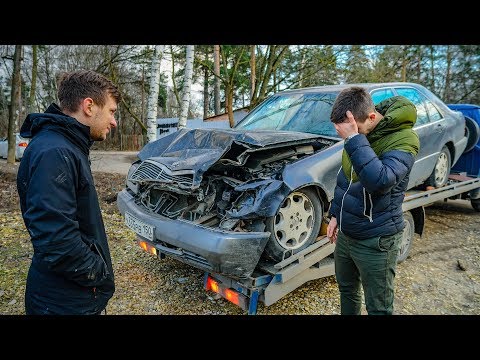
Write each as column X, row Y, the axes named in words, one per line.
column 441, row 276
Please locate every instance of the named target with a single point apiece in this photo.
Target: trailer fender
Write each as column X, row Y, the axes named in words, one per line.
column 475, row 193
column 418, row 219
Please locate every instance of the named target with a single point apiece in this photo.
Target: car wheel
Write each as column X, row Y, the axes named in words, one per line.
column 475, row 204
column 439, row 176
column 407, row 237
column 472, row 131
column 295, row 226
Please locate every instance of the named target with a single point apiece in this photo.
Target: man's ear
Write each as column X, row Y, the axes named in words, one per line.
column 87, row 105
column 372, row 116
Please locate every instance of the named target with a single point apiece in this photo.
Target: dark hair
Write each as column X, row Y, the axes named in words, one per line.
column 357, row 100
column 77, row 85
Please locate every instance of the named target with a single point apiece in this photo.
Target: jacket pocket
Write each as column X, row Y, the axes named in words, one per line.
column 97, row 251
column 93, row 246
column 386, row 243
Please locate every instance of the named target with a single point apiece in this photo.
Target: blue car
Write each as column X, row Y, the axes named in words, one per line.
column 469, row 161
column 222, row 200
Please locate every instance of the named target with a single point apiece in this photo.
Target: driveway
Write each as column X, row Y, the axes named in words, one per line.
column 114, row 162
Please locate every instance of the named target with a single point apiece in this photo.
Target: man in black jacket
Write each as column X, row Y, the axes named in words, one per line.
column 71, row 270
column 366, row 212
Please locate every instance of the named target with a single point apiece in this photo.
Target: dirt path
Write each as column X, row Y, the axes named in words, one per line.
column 441, row 276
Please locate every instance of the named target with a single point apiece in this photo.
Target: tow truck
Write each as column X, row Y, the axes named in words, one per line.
column 269, row 283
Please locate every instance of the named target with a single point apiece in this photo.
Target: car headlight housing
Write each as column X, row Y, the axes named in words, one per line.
column 129, row 184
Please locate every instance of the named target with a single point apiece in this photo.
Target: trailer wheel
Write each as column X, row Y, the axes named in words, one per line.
column 475, row 204
column 439, row 176
column 407, row 238
column 295, row 226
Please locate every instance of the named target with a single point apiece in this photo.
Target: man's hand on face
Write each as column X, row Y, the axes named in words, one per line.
column 347, row 127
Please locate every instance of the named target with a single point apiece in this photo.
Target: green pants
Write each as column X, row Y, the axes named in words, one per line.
column 370, row 263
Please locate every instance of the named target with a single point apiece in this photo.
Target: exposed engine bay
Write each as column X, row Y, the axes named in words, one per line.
column 231, row 194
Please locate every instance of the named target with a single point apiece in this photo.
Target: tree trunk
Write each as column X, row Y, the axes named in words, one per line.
column 33, row 86
column 419, row 65
column 432, row 68
column 174, row 83
column 252, row 71
column 182, row 120
column 229, row 91
column 152, row 102
column 142, row 108
column 14, row 103
column 216, row 71
column 446, row 93
column 206, row 98
column 404, row 64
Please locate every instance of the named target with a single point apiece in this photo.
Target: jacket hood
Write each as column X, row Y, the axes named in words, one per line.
column 399, row 114
column 54, row 119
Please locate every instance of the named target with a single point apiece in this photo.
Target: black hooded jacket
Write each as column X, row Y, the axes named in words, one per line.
column 71, row 270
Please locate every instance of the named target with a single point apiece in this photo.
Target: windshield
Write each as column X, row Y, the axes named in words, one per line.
column 308, row 113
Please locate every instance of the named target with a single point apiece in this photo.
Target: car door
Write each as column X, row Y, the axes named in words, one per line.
column 430, row 130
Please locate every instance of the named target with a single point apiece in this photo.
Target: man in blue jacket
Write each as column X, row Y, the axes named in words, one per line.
column 71, row 270
column 366, row 212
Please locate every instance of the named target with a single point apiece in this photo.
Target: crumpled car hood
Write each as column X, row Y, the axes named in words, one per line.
column 199, row 149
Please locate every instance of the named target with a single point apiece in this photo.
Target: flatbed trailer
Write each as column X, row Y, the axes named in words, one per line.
column 270, row 282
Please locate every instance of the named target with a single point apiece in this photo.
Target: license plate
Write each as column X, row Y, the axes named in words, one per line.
column 141, row 228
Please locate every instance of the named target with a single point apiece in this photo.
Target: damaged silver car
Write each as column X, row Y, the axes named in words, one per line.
column 221, row 200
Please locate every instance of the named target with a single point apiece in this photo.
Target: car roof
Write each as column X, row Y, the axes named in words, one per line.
column 338, row 88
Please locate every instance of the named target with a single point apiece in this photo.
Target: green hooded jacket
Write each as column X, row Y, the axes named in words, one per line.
column 393, row 132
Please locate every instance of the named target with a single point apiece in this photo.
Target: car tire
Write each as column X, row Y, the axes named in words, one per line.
column 407, row 237
column 439, row 175
column 475, row 204
column 472, row 131
column 295, row 226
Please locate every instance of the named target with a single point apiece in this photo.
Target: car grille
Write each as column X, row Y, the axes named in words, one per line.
column 156, row 172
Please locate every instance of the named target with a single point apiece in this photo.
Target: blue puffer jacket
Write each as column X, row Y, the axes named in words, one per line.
column 372, row 206
column 71, row 270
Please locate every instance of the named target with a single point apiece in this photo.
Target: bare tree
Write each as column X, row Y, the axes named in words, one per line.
column 266, row 69
column 448, row 74
column 182, row 120
column 206, row 98
column 252, row 71
column 33, row 85
column 152, row 102
column 216, row 72
column 15, row 105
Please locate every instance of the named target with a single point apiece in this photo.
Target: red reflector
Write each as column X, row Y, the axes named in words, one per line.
column 23, row 144
column 227, row 293
column 147, row 247
column 231, row 296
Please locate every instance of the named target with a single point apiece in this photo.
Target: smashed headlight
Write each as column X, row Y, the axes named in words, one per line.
column 129, row 184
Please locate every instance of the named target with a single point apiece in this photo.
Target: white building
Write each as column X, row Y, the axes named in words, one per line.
column 168, row 125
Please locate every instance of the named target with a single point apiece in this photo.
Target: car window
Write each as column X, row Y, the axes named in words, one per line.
column 433, row 112
column 308, row 112
column 419, row 100
column 380, row 95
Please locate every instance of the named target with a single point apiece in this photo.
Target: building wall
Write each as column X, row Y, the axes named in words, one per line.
column 166, row 126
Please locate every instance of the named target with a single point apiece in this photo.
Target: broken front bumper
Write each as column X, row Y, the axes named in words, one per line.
column 230, row 253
